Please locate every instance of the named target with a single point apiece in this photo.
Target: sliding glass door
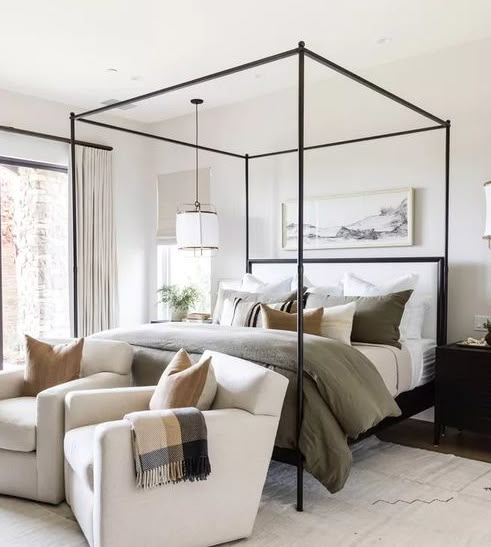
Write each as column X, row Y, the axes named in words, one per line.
column 35, row 259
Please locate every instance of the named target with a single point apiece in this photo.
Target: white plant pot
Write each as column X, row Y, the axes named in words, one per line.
column 178, row 315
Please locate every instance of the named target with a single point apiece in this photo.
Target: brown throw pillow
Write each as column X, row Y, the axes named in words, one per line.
column 280, row 320
column 183, row 384
column 377, row 318
column 48, row 366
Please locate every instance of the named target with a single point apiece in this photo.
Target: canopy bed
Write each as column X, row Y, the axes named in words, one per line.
column 411, row 401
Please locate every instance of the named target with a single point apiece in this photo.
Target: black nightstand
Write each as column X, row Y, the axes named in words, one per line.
column 462, row 389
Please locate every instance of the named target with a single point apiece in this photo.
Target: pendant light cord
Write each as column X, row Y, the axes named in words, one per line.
column 196, row 203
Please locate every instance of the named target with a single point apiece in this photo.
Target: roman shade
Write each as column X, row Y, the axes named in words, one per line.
column 175, row 188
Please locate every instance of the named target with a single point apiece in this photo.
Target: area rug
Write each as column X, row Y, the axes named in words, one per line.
column 396, row 496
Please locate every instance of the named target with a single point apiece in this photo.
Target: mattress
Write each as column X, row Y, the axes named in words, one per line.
column 402, row 369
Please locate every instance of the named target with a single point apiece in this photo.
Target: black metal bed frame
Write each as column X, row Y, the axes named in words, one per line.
column 301, row 52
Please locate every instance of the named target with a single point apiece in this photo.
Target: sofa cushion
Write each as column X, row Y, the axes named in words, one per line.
column 18, row 418
column 79, row 452
column 48, row 365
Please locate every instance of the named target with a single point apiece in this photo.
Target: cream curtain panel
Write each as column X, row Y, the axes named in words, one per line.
column 97, row 276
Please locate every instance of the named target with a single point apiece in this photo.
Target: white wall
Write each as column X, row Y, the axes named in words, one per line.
column 132, row 179
column 453, row 84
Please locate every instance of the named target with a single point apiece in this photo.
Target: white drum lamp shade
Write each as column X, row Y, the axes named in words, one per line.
column 197, row 223
column 487, row 195
column 197, row 230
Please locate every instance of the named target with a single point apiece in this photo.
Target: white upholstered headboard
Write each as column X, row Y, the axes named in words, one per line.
column 324, row 272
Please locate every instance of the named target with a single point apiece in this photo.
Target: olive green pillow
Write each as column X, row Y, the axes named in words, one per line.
column 377, row 318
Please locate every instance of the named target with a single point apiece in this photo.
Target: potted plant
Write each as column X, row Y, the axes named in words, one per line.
column 179, row 299
column 487, row 325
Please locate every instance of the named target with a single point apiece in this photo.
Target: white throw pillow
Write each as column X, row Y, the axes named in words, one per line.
column 355, row 286
column 251, row 283
column 333, row 290
column 412, row 321
column 337, row 322
column 306, row 282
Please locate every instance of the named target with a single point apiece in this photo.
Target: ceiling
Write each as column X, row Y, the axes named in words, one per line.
column 62, row 50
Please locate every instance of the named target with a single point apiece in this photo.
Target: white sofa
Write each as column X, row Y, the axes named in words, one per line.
column 100, row 471
column 32, row 428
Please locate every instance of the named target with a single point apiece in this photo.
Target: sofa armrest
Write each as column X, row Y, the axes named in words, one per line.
column 11, row 383
column 51, row 425
column 104, row 405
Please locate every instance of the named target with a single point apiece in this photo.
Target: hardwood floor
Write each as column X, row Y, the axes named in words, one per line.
column 419, row 434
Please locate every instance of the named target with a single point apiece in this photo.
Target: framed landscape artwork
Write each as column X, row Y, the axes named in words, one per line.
column 383, row 218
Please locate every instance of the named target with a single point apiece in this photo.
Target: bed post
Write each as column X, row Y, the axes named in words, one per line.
column 301, row 86
column 447, row 217
column 248, row 266
column 74, row 223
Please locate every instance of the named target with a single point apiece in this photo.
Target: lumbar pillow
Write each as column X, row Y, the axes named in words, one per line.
column 48, row 365
column 280, row 320
column 183, row 384
column 337, row 322
column 376, row 319
column 238, row 312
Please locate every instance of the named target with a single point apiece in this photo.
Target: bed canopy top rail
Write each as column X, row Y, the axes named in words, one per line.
column 373, row 87
column 349, row 141
column 300, row 52
column 195, row 81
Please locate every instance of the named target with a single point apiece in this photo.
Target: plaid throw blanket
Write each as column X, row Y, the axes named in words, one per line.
column 169, row 446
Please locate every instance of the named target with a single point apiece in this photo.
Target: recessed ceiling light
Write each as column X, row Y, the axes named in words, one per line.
column 136, row 78
column 384, row 40
column 111, row 70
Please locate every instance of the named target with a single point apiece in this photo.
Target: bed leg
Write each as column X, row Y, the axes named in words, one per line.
column 300, row 484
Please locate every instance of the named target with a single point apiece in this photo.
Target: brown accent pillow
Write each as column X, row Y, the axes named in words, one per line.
column 280, row 320
column 48, row 365
column 183, row 384
column 377, row 318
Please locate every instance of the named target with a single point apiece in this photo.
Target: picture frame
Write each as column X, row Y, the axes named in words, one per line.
column 380, row 218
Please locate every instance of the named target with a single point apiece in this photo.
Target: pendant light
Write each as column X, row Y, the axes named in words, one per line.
column 197, row 223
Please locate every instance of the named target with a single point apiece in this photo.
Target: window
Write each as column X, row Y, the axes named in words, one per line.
column 176, row 268
column 35, row 279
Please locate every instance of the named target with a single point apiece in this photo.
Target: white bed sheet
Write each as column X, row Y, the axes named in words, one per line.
column 402, row 369
column 423, row 354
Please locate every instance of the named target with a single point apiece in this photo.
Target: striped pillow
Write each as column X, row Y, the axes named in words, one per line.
column 238, row 312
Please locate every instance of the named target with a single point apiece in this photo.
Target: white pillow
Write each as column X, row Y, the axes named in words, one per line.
column 251, row 283
column 333, row 290
column 306, row 282
column 337, row 322
column 412, row 321
column 355, row 286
